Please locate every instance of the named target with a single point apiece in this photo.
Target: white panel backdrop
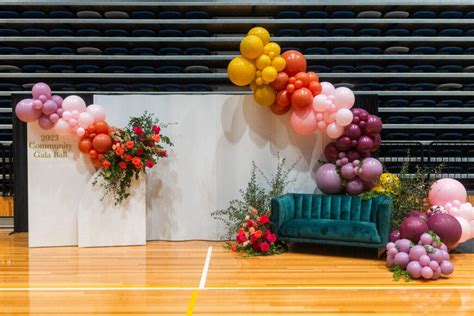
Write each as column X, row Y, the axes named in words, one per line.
column 216, row 138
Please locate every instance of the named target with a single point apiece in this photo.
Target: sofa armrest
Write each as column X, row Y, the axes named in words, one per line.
column 384, row 219
column 283, row 209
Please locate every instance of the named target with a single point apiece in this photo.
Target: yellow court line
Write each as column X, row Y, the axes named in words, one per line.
column 192, row 302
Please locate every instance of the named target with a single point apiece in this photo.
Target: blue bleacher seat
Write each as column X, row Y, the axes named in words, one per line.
column 89, row 15
column 423, row 14
column 451, row 32
column 369, row 50
column 424, row 68
column 469, row 120
column 9, row 68
column 397, row 86
column 397, row 68
column 9, row 51
column 423, row 119
column 315, row 33
column 318, row 68
column 316, row 15
column 450, row 136
column 423, row 86
column 116, row 33
column 9, row 86
column 197, row 87
column 88, row 68
column 197, row 69
column 468, row 87
column 34, row 14
column 396, row 136
column 34, row 51
column 170, row 51
column 369, row 86
column 450, row 15
column 142, row 15
column 424, row 32
column 88, row 86
column 89, row 50
column 142, row 87
column 34, row 68
column 288, row 15
column 197, row 33
column 116, row 15
column 469, row 68
column 192, row 51
column 423, row 50
column 343, row 51
column 450, row 119
column 397, row 119
column 61, row 68
column 115, row 87
column 396, row 102
column 61, row 14
column 170, row 87
column 451, row 86
column 61, row 51
column 115, row 68
column 88, row 32
column 369, row 68
column 60, row 32
column 450, row 68
column 316, row 51
column 469, row 51
column 342, row 32
column 469, row 32
column 6, row 14
column 9, row 32
column 369, row 32
column 170, row 15
column 170, row 33
column 342, row 68
column 115, row 51
column 143, row 33
column 342, row 14
column 450, row 50
column 289, row 32
column 397, row 32
column 450, row 103
column 143, row 51
column 423, row 136
column 423, row 103
column 369, row 15
column 396, row 15
column 396, row 50
column 34, row 32
column 197, row 15
column 169, row 69
column 142, row 69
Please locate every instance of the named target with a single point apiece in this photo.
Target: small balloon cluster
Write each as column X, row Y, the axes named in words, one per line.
column 96, row 142
column 350, row 164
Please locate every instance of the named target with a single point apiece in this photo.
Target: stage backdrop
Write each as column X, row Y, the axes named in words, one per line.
column 216, row 138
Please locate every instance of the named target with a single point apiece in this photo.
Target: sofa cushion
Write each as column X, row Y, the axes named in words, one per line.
column 331, row 230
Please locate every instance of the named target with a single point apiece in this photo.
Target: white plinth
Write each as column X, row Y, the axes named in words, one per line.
column 101, row 223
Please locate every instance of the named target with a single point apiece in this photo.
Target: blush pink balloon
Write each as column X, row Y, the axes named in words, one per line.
column 49, row 107
column 304, row 123
column 54, row 118
column 75, row 114
column 40, row 89
column 327, row 88
column 465, row 228
column 61, row 127
column 97, row 111
column 344, row 98
column 73, row 122
column 60, row 112
column 80, row 131
column 322, row 125
column 58, row 100
column 344, row 117
column 321, row 103
column 74, row 102
column 319, row 116
column 67, row 115
column 85, row 120
column 334, row 130
column 447, row 190
column 37, row 104
column 45, row 123
column 25, row 112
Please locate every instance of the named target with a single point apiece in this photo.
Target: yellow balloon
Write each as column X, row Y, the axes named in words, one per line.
column 264, row 95
column 251, row 46
column 261, row 32
column 272, row 48
column 263, row 61
column 241, row 71
column 259, row 81
column 269, row 74
column 279, row 63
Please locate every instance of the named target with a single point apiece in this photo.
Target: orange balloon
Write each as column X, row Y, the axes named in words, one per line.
column 303, row 76
column 295, row 62
column 102, row 127
column 283, row 99
column 315, row 88
column 85, row 145
column 302, row 98
column 299, row 84
column 312, row 76
column 93, row 153
column 100, row 157
column 280, row 109
column 91, row 129
column 290, row 88
column 102, row 143
column 280, row 82
column 96, row 162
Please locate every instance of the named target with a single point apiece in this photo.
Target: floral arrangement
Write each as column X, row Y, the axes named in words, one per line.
column 255, row 238
column 135, row 148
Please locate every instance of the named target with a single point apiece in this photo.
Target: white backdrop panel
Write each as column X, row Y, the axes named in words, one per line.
column 216, row 138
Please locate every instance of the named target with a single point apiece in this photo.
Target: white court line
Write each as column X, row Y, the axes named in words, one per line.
column 205, row 269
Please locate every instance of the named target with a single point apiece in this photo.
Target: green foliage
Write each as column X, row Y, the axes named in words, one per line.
column 398, row 272
column 255, row 195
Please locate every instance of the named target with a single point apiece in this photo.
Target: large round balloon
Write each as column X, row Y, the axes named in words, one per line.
column 85, row 145
column 302, row 98
column 371, row 169
column 25, row 112
column 102, row 143
column 447, row 190
column 261, row 32
column 97, row 111
column 41, row 89
column 280, row 82
column 412, row 228
column 295, row 62
column 446, row 227
column 327, row 179
column 241, row 71
column 344, row 98
column 465, row 229
column 74, row 103
column 304, row 123
column 279, row 109
column 264, row 95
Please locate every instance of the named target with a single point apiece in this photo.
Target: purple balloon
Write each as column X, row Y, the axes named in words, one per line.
column 58, row 100
column 371, row 169
column 394, row 235
column 352, row 155
column 49, row 107
column 436, row 273
column 373, row 126
column 412, row 227
column 347, row 171
column 355, row 186
column 25, row 112
column 416, row 252
column 327, row 179
column 446, row 227
column 40, row 89
column 377, row 142
column 414, row 269
column 426, row 273
column 353, row 131
column 331, row 152
column 446, row 267
column 365, row 144
column 362, row 124
column 437, row 255
column 45, row 123
column 343, row 143
column 404, row 245
column 401, row 259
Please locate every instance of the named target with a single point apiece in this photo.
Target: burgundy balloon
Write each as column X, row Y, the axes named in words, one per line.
column 374, row 125
column 365, row 144
column 446, row 227
column 377, row 142
column 355, row 186
column 331, row 152
column 356, row 119
column 353, row 131
column 362, row 124
column 412, row 228
column 354, row 143
column 343, row 143
column 364, row 116
column 352, row 155
column 365, row 154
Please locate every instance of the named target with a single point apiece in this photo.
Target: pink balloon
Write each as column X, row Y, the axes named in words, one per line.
column 40, row 89
column 327, row 88
column 45, row 123
column 58, row 100
column 75, row 114
column 49, row 107
column 327, row 179
column 304, row 123
column 447, row 190
column 73, row 102
column 54, row 118
column 344, row 117
column 61, row 127
column 321, row 103
column 344, row 98
column 319, row 116
column 97, row 111
column 467, row 211
column 25, row 112
column 334, row 130
column 60, row 112
column 73, row 122
column 322, row 125
column 329, row 117
column 465, row 227
column 37, row 105
column 67, row 115
column 471, row 223
column 80, row 131
column 85, row 120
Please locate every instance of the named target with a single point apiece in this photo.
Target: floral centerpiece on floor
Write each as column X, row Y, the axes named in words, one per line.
column 255, row 238
column 135, row 148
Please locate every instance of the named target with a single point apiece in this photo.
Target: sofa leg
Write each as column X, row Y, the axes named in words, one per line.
column 380, row 252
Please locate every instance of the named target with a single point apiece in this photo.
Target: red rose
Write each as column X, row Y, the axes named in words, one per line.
column 254, row 238
column 128, row 157
column 271, row 237
column 149, row 164
column 249, row 224
column 156, row 129
column 139, row 152
column 240, row 238
column 106, row 164
column 123, row 165
column 264, row 219
column 264, row 246
column 138, row 130
column 258, row 233
column 119, row 151
column 256, row 247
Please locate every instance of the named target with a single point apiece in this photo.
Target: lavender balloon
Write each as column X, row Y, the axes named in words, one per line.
column 347, row 171
column 45, row 123
column 40, row 89
column 327, row 179
column 416, row 252
column 446, row 267
column 355, row 186
column 404, row 245
column 58, row 100
column 371, row 169
column 414, row 269
column 49, row 107
column 401, row 259
column 426, row 273
column 394, row 235
column 25, row 112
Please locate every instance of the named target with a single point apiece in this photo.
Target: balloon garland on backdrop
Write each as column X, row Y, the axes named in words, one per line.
column 282, row 83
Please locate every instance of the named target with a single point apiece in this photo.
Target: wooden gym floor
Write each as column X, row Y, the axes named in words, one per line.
column 202, row 278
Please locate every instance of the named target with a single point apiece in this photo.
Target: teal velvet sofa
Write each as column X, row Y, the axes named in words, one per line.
column 332, row 219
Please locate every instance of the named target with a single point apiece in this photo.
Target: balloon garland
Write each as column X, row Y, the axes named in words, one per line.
column 282, row 83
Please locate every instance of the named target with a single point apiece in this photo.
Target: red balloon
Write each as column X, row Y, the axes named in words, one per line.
column 93, row 153
column 85, row 145
column 315, row 87
column 302, row 98
column 280, row 82
column 102, row 143
column 283, row 98
column 295, row 62
column 299, row 84
column 303, row 76
column 280, row 109
column 331, row 152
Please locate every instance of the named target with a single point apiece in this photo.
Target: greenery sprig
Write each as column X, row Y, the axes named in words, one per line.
column 399, row 272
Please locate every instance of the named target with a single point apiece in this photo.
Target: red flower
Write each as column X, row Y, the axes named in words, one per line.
column 119, row 151
column 240, row 238
column 163, row 153
column 256, row 247
column 129, row 144
column 156, row 138
column 264, row 219
column 241, row 231
column 138, row 130
column 149, row 164
column 128, row 158
column 270, row 237
column 156, row 129
column 123, row 165
column 136, row 160
column 258, row 233
column 139, row 152
column 249, row 224
column 254, row 238
column 264, row 246
column 106, row 164
column 234, row 247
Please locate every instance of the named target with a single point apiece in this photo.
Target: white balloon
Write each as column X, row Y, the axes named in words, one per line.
column 344, row 117
column 334, row 130
column 327, row 88
column 85, row 120
column 467, row 211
